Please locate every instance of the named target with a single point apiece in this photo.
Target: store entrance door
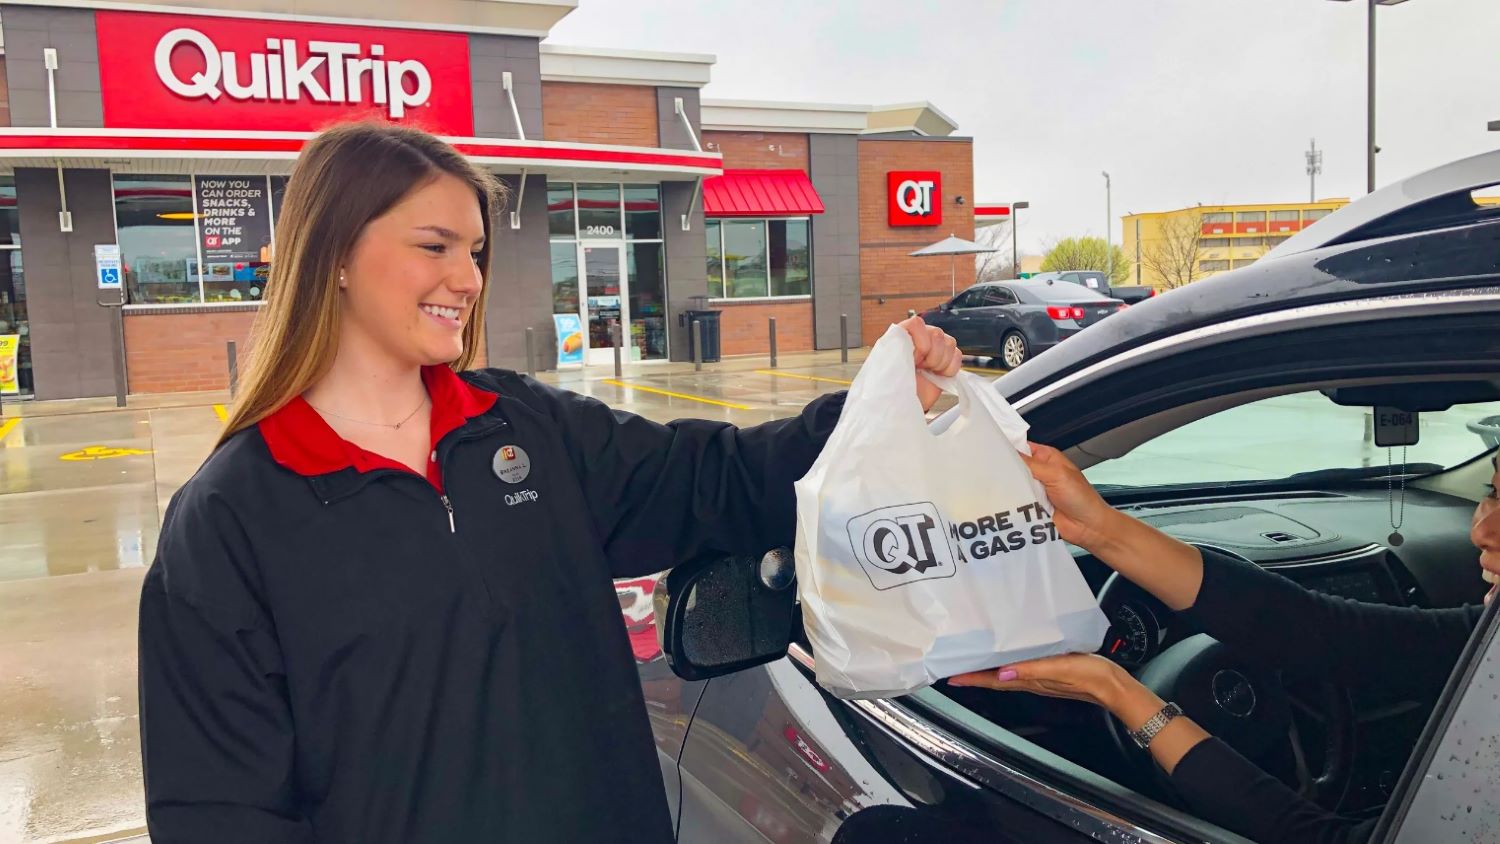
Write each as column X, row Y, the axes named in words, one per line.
column 606, row 299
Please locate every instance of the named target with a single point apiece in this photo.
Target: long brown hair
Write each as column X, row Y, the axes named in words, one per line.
column 345, row 177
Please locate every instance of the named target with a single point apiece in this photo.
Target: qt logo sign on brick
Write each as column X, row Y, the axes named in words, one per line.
column 914, row 197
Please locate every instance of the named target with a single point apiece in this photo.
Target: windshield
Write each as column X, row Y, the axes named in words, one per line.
column 1276, row 438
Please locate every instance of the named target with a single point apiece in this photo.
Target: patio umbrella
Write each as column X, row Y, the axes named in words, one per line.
column 952, row 246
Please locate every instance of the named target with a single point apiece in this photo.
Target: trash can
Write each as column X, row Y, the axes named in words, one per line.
column 709, row 336
column 1488, row 430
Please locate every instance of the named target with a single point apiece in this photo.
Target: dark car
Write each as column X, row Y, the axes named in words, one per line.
column 1099, row 283
column 1238, row 413
column 1014, row 321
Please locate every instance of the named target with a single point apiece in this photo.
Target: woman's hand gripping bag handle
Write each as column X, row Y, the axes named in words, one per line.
column 928, row 551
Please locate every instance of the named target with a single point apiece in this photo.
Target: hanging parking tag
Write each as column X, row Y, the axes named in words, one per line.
column 511, row 464
column 1394, row 427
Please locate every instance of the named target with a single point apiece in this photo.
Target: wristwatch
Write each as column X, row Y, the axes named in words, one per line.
column 1160, row 720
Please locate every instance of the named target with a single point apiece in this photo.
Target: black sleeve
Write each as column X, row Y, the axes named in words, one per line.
column 1274, row 622
column 1225, row 788
column 216, row 730
column 664, row 494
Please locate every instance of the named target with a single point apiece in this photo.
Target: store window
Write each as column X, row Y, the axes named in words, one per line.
column 756, row 259
column 643, row 212
column 188, row 240
column 646, row 268
column 15, row 328
column 158, row 248
column 562, row 222
column 715, row 259
column 599, row 210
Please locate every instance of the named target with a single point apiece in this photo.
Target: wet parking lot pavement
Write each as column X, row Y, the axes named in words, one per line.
column 83, row 486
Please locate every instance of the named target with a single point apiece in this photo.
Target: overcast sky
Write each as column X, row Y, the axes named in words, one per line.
column 1182, row 101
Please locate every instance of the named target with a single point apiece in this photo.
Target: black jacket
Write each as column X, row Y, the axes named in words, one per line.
column 323, row 660
column 1408, row 649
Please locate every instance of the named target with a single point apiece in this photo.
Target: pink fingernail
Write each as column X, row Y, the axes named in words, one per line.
column 1008, row 674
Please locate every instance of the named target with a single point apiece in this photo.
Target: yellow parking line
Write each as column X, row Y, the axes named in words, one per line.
column 671, row 394
column 222, row 413
column 995, row 372
column 6, row 425
column 803, row 377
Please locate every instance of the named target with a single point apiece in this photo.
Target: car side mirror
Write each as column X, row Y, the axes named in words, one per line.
column 722, row 615
column 946, row 306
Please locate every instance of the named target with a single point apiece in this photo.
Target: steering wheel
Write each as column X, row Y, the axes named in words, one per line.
column 1248, row 707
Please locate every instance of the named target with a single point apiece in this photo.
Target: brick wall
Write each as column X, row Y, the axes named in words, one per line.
column 4, row 95
column 745, row 330
column 186, row 352
column 891, row 281
column 760, row 150
column 583, row 112
column 183, row 352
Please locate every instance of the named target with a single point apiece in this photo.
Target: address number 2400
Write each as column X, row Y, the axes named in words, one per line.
column 599, row 231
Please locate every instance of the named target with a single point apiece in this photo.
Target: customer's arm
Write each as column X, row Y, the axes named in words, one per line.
column 1217, row 783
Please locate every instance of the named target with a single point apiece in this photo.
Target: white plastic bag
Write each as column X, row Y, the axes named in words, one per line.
column 928, row 551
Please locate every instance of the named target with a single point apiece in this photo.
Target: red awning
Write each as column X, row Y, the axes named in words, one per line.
column 760, row 193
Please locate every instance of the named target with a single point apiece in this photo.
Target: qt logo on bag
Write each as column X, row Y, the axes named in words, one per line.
column 902, row 544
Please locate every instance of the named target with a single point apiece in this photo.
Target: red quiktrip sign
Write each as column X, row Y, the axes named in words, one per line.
column 914, row 197
column 184, row 72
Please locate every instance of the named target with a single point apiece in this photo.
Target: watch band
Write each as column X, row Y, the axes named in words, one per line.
column 1160, row 720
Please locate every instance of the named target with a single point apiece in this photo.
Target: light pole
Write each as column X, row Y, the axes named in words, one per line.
column 1015, row 223
column 1314, row 167
column 1370, row 148
column 1109, row 243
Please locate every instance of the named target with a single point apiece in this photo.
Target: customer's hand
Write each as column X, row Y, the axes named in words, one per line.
column 1081, row 514
column 1094, row 679
column 1087, row 677
column 937, row 353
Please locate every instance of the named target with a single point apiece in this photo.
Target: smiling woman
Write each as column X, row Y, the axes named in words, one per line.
column 354, row 599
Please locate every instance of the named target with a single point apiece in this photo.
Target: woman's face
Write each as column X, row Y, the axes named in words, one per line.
column 1486, row 535
column 411, row 280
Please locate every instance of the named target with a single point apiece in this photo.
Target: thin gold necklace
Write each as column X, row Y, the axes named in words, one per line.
column 396, row 426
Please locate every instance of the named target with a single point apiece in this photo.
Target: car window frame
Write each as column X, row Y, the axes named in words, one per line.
column 1083, row 382
column 960, row 301
column 999, row 296
column 1483, row 642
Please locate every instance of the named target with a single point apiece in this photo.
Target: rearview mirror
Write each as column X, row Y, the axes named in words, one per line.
column 723, row 615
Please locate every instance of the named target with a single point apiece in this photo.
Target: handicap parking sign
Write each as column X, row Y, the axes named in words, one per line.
column 107, row 261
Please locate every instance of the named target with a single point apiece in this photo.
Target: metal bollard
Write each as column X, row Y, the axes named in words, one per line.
column 697, row 342
column 531, row 352
column 773, row 342
column 234, row 370
column 614, row 334
column 844, row 338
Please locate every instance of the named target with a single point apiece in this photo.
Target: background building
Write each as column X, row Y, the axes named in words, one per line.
column 1168, row 249
column 634, row 201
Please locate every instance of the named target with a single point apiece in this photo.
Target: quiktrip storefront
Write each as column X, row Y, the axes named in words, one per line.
column 169, row 134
